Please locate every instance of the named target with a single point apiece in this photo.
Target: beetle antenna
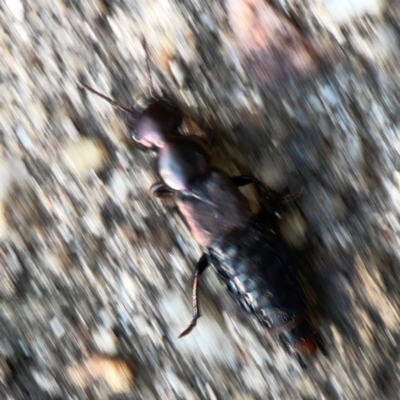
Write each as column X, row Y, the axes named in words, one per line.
column 111, row 101
column 153, row 91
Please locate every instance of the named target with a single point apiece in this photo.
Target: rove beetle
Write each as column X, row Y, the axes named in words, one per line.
column 246, row 249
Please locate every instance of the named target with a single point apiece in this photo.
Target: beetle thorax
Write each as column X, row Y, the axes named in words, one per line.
column 182, row 160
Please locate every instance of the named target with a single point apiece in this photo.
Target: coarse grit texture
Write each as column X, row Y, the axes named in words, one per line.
column 95, row 273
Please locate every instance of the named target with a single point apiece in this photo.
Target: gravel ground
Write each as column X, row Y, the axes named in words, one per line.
column 95, row 273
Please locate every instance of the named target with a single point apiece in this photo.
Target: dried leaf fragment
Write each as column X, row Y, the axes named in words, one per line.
column 116, row 373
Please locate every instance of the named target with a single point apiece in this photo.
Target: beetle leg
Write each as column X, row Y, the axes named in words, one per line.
column 269, row 193
column 200, row 268
column 243, row 180
column 320, row 344
column 161, row 190
column 295, row 354
column 300, row 360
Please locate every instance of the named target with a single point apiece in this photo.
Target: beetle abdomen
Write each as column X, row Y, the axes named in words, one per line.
column 256, row 267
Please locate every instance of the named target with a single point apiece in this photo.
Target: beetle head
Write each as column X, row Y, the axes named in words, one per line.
column 157, row 120
column 149, row 127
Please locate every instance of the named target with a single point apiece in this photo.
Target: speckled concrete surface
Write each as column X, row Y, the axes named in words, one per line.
column 95, row 273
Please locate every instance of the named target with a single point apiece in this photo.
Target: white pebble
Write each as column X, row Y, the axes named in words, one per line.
column 57, row 328
column 16, row 8
column 177, row 73
column 118, row 186
column 342, row 11
column 94, row 223
column 105, row 341
column 24, row 138
column 47, row 383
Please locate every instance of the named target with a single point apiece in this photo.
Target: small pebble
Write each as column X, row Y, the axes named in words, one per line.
column 105, row 341
column 57, row 328
column 293, row 228
column 16, row 8
column 84, row 155
column 47, row 383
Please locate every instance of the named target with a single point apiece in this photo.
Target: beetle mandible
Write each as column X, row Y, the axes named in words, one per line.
column 246, row 249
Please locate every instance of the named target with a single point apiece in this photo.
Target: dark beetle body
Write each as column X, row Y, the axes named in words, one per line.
column 247, row 250
column 257, row 270
column 250, row 257
column 213, row 208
